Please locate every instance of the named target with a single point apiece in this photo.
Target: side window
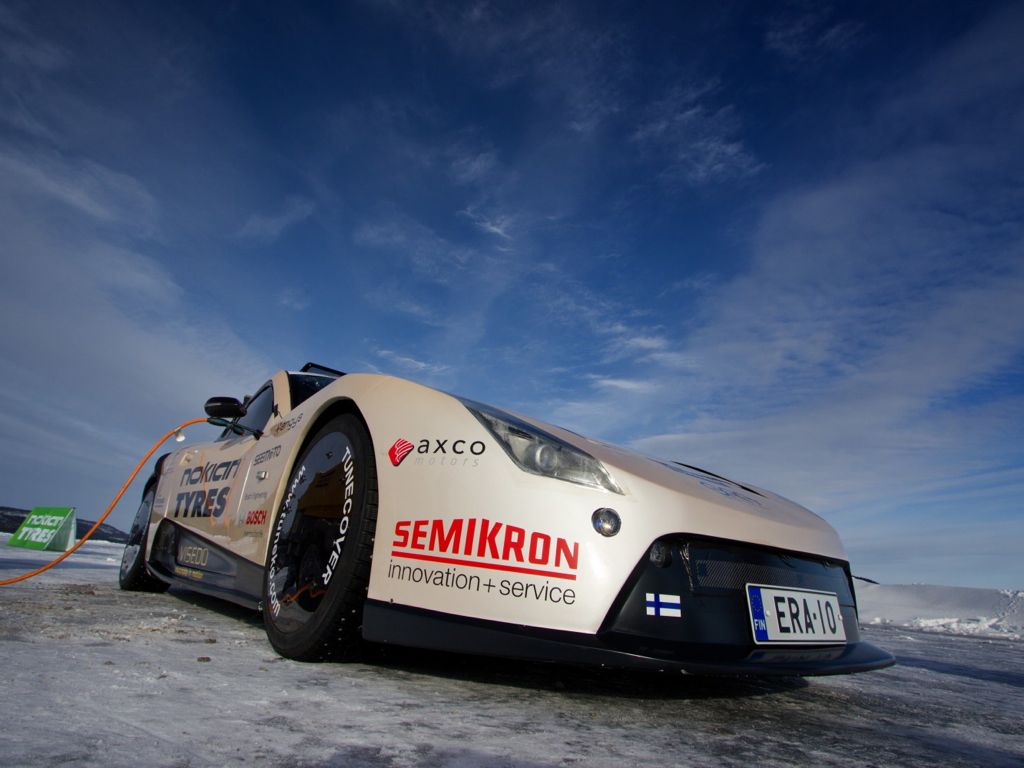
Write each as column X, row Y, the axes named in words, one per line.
column 258, row 409
column 304, row 385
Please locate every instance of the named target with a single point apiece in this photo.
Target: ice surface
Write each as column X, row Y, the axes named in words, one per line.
column 98, row 677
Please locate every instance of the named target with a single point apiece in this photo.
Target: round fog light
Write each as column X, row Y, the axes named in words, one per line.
column 606, row 521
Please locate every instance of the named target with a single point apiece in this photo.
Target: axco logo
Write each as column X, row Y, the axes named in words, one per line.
column 433, row 451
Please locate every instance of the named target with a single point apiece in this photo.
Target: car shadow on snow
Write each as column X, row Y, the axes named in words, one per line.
column 217, row 605
column 530, row 675
column 964, row 670
column 594, row 681
column 379, row 757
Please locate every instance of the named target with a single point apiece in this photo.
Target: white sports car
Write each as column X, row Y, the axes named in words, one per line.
column 353, row 508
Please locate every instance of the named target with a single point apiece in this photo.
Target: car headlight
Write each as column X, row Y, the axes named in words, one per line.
column 541, row 453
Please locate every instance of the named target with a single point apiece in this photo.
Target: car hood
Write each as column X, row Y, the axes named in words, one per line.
column 678, row 498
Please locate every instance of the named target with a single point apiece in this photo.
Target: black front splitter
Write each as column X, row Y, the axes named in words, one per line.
column 401, row 625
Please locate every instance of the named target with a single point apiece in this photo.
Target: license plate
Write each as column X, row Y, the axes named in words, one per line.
column 784, row 616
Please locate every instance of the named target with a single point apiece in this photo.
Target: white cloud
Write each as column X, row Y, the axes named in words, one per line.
column 576, row 67
column 410, row 365
column 810, row 36
column 415, row 245
column 295, row 299
column 976, row 75
column 695, row 141
column 103, row 194
column 267, row 228
column 700, row 284
column 499, row 224
column 380, row 234
column 632, row 386
column 104, row 349
column 23, row 50
column 473, row 167
column 863, row 361
column 28, row 61
column 394, row 297
column 832, row 368
column 132, row 278
column 446, row 286
column 646, row 343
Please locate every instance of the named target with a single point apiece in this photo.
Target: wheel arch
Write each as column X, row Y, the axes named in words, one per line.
column 336, row 406
column 158, row 469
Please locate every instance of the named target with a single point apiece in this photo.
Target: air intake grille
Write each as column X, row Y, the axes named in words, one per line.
column 714, row 568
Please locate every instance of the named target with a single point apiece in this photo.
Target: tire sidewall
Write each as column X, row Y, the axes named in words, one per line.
column 133, row 563
column 346, row 588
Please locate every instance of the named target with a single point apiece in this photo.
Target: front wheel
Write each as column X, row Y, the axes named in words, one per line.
column 133, row 575
column 318, row 565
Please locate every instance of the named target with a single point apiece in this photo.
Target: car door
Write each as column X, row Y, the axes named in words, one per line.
column 213, row 475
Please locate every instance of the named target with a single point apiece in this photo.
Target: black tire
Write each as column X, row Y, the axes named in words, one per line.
column 318, row 563
column 133, row 575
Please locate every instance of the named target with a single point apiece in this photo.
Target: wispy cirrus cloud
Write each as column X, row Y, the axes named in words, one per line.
column 803, row 35
column 408, row 365
column 473, row 166
column 631, row 386
column 269, row 227
column 567, row 62
column 417, row 246
column 109, row 349
column 865, row 317
column 448, row 287
column 98, row 364
column 92, row 189
column 833, row 317
column 132, row 278
column 493, row 223
column 294, row 299
column 696, row 140
column 858, row 360
column 393, row 297
column 29, row 61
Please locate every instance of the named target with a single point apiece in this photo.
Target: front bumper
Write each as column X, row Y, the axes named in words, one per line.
column 712, row 634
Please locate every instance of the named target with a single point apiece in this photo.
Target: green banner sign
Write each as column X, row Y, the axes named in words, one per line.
column 51, row 528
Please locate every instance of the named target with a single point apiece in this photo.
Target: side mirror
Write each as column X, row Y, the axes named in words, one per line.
column 224, row 408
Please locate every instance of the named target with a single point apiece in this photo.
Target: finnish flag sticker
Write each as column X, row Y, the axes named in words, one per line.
column 664, row 605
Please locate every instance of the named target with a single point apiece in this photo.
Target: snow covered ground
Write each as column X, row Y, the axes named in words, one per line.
column 96, row 676
column 958, row 610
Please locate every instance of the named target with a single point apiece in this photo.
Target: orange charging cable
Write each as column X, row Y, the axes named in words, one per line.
column 98, row 523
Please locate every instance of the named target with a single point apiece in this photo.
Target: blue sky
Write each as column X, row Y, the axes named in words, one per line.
column 780, row 241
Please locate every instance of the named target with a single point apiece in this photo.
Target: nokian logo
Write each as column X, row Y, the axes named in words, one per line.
column 438, row 452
